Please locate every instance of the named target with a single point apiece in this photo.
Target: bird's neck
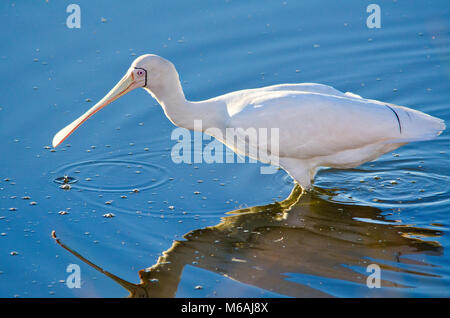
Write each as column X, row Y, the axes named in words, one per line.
column 197, row 116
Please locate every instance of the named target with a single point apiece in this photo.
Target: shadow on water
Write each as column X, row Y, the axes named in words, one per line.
column 302, row 234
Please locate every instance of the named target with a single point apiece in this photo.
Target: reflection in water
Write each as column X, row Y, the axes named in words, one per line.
column 303, row 234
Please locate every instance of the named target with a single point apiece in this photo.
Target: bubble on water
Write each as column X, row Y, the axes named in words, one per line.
column 65, row 186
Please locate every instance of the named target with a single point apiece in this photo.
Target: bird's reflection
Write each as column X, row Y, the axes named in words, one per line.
column 303, row 234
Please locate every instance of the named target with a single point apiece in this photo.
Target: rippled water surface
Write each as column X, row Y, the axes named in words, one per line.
column 216, row 230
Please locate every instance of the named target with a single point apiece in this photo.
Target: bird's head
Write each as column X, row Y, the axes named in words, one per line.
column 148, row 71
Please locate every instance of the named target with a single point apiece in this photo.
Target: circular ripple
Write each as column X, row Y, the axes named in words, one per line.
column 389, row 188
column 410, row 188
column 115, row 175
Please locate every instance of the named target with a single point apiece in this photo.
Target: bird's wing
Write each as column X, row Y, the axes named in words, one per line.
column 308, row 88
column 237, row 100
column 313, row 124
column 302, row 87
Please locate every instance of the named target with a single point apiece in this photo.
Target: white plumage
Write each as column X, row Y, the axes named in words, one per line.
column 318, row 125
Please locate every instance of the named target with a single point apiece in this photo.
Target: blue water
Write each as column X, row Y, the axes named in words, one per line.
column 393, row 212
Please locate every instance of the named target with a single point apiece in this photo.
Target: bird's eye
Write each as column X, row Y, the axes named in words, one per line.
column 140, row 72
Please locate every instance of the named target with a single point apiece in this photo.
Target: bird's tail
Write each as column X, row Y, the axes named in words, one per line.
column 415, row 125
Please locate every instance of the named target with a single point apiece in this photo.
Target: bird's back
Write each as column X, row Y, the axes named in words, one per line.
column 318, row 120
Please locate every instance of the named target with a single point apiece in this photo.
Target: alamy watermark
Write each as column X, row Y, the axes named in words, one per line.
column 374, row 279
column 257, row 144
column 74, row 279
column 374, row 19
column 73, row 20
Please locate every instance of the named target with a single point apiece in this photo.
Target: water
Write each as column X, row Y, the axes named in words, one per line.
column 392, row 212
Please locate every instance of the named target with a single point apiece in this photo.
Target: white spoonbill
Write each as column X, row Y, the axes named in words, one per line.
column 317, row 124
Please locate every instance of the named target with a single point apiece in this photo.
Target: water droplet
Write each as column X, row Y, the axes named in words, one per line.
column 65, row 180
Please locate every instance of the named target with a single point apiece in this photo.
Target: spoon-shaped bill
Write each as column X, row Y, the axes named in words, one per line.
column 125, row 85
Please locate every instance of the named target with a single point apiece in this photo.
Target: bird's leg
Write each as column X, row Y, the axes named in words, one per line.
column 308, row 189
column 299, row 171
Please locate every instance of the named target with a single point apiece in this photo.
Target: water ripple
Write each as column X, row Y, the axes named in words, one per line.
column 116, row 175
column 389, row 185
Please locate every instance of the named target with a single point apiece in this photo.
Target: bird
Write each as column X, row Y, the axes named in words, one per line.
column 316, row 125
